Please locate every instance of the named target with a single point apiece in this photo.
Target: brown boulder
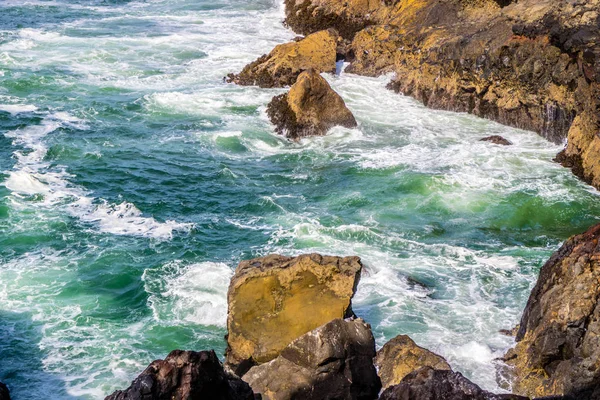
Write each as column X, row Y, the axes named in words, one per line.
column 275, row 299
column 374, row 49
column 185, row 375
column 286, row 61
column 429, row 384
column 496, row 139
column 401, row 356
column 310, row 108
column 334, row 361
column 558, row 349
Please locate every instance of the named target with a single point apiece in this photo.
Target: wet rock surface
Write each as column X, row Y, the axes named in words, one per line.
column 285, row 62
column 310, row 108
column 275, row 299
column 558, row 349
column 185, row 375
column 334, row 361
column 496, row 139
column 429, row 384
column 401, row 356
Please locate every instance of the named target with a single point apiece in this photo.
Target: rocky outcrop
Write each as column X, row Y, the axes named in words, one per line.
column 558, row 349
column 401, row 356
column 334, row 361
column 285, row 62
column 310, row 108
column 4, row 394
column 496, row 139
column 275, row 299
column 185, row 375
column 531, row 64
column 430, row 384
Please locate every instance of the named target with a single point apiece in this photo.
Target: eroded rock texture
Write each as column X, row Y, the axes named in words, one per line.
column 401, row 356
column 334, row 361
column 310, row 108
column 275, row 299
column 558, row 349
column 286, row 61
column 185, row 375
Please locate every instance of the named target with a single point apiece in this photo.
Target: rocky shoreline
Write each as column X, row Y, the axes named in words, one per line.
column 292, row 334
column 530, row 64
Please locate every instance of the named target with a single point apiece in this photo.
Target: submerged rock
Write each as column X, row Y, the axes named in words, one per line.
column 285, row 62
column 334, row 361
column 4, row 393
column 310, row 108
column 496, row 139
column 558, row 349
column 275, row 299
column 401, row 356
column 185, row 375
column 429, row 384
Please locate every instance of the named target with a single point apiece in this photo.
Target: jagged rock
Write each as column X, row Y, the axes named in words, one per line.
column 334, row 361
column 310, row 108
column 401, row 356
column 285, row 62
column 275, row 299
column 531, row 64
column 185, row 375
column 558, row 349
column 496, row 139
column 4, row 394
column 429, row 384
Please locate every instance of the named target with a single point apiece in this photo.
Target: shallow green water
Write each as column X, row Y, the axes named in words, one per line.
column 134, row 180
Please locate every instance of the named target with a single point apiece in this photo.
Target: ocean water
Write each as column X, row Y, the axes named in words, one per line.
column 133, row 180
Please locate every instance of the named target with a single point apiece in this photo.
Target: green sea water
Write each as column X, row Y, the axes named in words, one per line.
column 133, row 180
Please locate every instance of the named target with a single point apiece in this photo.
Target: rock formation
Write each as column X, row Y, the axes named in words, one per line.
column 334, row 361
column 531, row 64
column 286, row 61
column 310, row 108
column 274, row 300
column 185, row 375
column 401, row 356
column 558, row 349
column 4, row 394
column 429, row 384
column 496, row 139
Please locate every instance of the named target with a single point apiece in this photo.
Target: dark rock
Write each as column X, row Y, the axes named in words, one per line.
column 429, row 384
column 334, row 361
column 185, row 375
column 310, row 108
column 496, row 139
column 4, row 393
column 559, row 337
column 401, row 356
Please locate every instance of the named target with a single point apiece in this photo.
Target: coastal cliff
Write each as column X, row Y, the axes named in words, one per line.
column 530, row 64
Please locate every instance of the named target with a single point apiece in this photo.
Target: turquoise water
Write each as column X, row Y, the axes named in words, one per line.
column 133, row 180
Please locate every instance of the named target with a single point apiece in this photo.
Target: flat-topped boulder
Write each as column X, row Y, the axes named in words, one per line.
column 310, row 108
column 334, row 361
column 285, row 62
column 185, row 375
column 401, row 356
column 558, row 349
column 275, row 299
column 496, row 139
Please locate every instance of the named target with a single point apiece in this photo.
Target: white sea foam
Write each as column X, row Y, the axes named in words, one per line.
column 189, row 294
column 31, row 176
column 17, row 108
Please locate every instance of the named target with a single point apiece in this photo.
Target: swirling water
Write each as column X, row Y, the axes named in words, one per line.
column 133, row 180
